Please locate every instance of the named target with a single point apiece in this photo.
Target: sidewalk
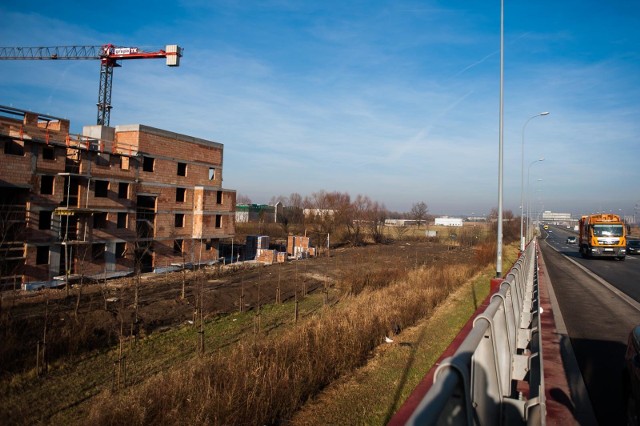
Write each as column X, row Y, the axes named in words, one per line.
column 566, row 396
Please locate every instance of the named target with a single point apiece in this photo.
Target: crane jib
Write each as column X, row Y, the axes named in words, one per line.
column 108, row 54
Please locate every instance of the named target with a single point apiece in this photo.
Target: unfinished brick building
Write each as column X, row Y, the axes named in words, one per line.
column 107, row 203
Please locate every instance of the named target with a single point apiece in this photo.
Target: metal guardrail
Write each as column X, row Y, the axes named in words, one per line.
column 495, row 376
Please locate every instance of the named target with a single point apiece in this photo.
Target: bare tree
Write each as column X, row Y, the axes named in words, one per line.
column 376, row 216
column 358, row 215
column 328, row 210
column 243, row 199
column 419, row 212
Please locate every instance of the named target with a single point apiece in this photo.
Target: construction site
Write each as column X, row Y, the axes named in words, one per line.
column 105, row 203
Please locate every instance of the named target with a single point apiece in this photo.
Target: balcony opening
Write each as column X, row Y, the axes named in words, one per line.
column 70, row 192
column 69, row 228
column 145, row 216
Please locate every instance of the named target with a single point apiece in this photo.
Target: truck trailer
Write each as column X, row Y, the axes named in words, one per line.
column 602, row 235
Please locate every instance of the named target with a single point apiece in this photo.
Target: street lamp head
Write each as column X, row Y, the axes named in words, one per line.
column 541, row 159
column 544, row 113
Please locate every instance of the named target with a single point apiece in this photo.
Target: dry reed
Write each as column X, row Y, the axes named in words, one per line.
column 265, row 382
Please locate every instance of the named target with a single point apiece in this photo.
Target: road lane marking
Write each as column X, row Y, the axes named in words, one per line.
column 622, row 295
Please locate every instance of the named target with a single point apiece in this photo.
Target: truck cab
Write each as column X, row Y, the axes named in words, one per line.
column 602, row 235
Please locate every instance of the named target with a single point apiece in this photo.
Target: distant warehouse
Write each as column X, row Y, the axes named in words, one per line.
column 448, row 221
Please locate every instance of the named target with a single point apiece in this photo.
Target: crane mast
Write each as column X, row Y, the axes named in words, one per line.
column 109, row 56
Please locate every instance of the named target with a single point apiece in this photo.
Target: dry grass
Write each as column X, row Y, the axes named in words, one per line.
column 266, row 382
column 373, row 393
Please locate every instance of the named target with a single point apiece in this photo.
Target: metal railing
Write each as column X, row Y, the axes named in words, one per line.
column 495, row 376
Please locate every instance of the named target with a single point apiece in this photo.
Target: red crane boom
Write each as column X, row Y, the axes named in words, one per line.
column 108, row 54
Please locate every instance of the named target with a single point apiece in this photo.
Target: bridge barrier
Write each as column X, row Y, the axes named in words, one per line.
column 496, row 374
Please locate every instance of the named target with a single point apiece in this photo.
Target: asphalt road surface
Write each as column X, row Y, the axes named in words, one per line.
column 599, row 304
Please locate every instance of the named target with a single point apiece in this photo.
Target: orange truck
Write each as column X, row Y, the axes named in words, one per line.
column 602, row 235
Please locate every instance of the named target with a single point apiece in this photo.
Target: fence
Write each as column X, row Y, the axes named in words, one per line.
column 495, row 376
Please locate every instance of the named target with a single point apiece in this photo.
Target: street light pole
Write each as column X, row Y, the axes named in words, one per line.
column 522, row 238
column 500, row 149
column 528, row 201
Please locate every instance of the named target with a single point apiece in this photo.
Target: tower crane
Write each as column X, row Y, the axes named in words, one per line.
column 108, row 55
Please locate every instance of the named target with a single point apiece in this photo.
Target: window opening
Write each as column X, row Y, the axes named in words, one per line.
column 121, row 250
column 48, row 153
column 148, row 164
column 181, row 195
column 97, row 251
column 177, row 246
column 46, row 185
column 44, row 219
column 42, row 255
column 182, row 169
column 123, row 190
column 103, row 160
column 100, row 220
column 12, row 147
column 101, row 188
column 122, row 220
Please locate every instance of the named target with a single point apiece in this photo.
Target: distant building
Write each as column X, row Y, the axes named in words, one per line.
column 401, row 222
column 318, row 212
column 476, row 219
column 255, row 213
column 448, row 221
column 549, row 216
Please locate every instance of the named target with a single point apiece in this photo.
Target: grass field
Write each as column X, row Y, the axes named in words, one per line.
column 262, row 365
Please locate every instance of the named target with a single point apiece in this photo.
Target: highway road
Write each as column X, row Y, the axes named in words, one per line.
column 599, row 303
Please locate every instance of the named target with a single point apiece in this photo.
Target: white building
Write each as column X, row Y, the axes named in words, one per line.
column 401, row 222
column 448, row 221
column 548, row 215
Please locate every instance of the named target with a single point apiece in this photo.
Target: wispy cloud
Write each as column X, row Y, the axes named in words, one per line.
column 398, row 101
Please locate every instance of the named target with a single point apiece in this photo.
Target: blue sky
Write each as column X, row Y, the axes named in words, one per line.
column 397, row 100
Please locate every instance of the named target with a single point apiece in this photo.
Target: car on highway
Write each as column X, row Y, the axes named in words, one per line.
column 571, row 240
column 633, row 246
column 631, row 376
